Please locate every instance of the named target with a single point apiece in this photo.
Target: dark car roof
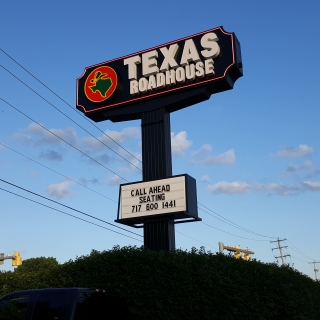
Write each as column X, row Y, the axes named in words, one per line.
column 33, row 291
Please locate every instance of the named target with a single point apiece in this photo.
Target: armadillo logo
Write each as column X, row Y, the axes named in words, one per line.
column 101, row 84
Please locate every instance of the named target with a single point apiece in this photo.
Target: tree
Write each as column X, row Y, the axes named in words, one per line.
column 37, row 264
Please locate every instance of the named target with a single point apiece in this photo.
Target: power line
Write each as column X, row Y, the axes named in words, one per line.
column 302, row 254
column 231, row 223
column 71, row 145
column 89, row 188
column 98, row 192
column 231, row 233
column 109, row 222
column 66, row 177
column 84, row 185
column 125, row 179
column 177, row 231
column 68, row 214
column 69, row 117
column 70, row 106
column 299, row 251
column 195, row 239
column 297, row 258
column 26, row 190
column 81, row 212
column 116, row 202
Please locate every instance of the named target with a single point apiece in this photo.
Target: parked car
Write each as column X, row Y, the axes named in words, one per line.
column 62, row 304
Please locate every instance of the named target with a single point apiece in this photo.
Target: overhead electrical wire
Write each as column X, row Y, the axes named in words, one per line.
column 286, row 251
column 66, row 177
column 44, row 205
column 226, row 220
column 195, row 239
column 290, row 244
column 230, row 232
column 68, row 207
column 116, row 201
column 230, row 222
column 71, row 145
column 298, row 258
column 85, row 187
column 69, row 117
column 68, row 104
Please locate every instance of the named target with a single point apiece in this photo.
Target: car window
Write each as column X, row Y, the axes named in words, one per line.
column 50, row 306
column 14, row 307
column 94, row 305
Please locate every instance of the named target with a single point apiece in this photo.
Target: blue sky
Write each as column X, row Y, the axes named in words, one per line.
column 253, row 150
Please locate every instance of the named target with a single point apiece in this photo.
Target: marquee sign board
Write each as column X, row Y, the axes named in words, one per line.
column 175, row 196
column 174, row 75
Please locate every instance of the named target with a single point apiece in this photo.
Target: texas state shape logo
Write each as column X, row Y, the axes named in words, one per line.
column 101, row 84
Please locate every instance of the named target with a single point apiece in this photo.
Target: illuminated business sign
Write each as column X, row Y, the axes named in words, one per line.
column 175, row 196
column 173, row 75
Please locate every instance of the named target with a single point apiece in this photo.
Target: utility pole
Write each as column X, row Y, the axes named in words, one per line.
column 314, row 268
column 280, row 250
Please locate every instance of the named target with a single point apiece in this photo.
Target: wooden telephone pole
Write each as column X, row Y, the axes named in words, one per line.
column 280, row 250
column 314, row 268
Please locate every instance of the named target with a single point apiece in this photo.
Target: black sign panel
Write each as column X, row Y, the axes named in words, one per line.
column 173, row 75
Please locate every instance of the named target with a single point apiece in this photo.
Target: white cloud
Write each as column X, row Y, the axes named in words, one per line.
column 118, row 136
column 200, row 157
column 125, row 134
column 294, row 152
column 103, row 158
column 86, row 181
column 60, row 190
column 205, row 148
column 180, row 143
column 302, row 167
column 279, row 189
column 282, row 189
column 236, row 187
column 115, row 180
column 37, row 136
column 133, row 165
column 240, row 187
column 312, row 185
column 52, row 155
column 205, row 179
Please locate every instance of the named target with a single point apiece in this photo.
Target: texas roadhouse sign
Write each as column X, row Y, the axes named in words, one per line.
column 122, row 88
column 149, row 85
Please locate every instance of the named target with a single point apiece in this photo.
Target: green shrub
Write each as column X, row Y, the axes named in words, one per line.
column 183, row 285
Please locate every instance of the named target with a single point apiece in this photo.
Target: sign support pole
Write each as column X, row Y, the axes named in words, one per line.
column 159, row 233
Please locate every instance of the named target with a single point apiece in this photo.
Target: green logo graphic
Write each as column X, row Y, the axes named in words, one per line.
column 101, row 83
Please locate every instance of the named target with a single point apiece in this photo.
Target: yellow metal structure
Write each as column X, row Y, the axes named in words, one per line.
column 237, row 253
column 246, row 256
column 17, row 259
